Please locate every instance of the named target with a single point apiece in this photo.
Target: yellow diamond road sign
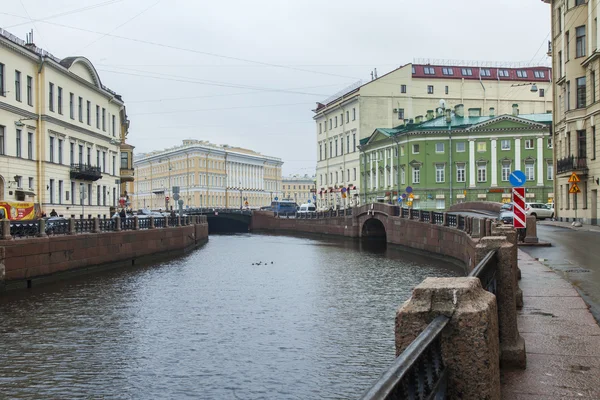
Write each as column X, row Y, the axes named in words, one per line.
column 574, row 178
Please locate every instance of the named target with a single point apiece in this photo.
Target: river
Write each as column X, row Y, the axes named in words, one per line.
column 246, row 316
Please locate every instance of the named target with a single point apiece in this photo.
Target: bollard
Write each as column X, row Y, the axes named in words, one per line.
column 117, row 224
column 6, row 229
column 72, row 226
column 531, row 230
column 512, row 345
column 445, row 221
column 96, row 225
column 432, row 217
column 178, row 220
column 136, row 223
column 151, row 223
column 420, row 215
column 469, row 343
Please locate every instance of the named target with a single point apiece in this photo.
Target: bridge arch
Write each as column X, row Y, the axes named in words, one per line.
column 373, row 228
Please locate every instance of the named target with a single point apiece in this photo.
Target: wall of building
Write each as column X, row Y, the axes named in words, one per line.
column 50, row 258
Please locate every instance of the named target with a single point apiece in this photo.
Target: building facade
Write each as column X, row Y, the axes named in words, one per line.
column 208, row 175
column 455, row 158
column 60, row 131
column 407, row 93
column 576, row 60
column 301, row 189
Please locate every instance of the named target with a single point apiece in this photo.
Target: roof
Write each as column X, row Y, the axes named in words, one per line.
column 525, row 74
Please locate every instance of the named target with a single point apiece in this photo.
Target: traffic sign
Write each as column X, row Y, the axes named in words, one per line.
column 167, row 198
column 574, row 189
column 315, row 198
column 574, row 179
column 403, row 195
column 519, row 215
column 411, row 196
column 409, row 189
column 308, row 201
column 399, row 199
column 276, row 198
column 517, row 178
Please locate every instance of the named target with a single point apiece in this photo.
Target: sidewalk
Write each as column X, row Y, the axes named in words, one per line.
column 591, row 228
column 562, row 340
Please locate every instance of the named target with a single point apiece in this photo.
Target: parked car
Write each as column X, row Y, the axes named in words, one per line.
column 506, row 207
column 539, row 210
column 506, row 217
column 307, row 208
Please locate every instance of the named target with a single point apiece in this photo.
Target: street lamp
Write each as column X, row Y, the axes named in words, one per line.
column 241, row 204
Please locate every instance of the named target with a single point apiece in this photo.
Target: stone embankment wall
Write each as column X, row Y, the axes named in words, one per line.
column 27, row 262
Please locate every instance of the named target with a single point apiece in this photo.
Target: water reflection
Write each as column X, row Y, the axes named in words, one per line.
column 311, row 319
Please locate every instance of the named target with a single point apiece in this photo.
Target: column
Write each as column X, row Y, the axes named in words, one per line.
column 376, row 170
column 540, row 161
column 472, row 170
column 385, row 173
column 372, row 175
column 494, row 162
column 392, row 171
column 517, row 154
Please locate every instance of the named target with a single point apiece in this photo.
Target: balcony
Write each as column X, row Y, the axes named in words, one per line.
column 127, row 175
column 572, row 164
column 85, row 172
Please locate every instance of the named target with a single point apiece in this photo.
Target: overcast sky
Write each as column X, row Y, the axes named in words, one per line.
column 248, row 73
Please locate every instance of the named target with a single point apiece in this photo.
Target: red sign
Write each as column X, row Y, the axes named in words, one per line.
column 167, row 198
column 519, row 215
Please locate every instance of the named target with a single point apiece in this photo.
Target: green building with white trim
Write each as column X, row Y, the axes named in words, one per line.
column 449, row 157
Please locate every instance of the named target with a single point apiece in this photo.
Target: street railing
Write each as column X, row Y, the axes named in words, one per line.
column 20, row 229
column 438, row 218
column 127, row 224
column 84, row 225
column 59, row 227
column 160, row 222
column 451, row 220
column 143, row 223
column 486, row 271
column 107, row 225
column 419, row 372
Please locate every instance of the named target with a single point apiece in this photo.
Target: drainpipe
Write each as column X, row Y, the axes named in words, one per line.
column 449, row 121
column 41, row 145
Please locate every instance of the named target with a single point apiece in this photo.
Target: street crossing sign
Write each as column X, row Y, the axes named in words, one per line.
column 519, row 215
column 574, row 179
column 574, row 189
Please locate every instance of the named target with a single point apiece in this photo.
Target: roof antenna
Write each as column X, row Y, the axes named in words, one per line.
column 375, row 73
column 371, row 75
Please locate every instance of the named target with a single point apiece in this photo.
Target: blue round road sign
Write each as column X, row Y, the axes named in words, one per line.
column 517, row 178
column 403, row 195
column 408, row 189
column 399, row 199
column 276, row 198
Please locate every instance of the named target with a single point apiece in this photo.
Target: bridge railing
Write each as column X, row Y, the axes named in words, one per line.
column 419, row 372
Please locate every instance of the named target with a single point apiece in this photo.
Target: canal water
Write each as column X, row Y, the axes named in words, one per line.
column 247, row 316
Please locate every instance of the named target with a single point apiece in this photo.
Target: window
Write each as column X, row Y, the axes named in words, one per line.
column 593, row 142
column 80, row 154
column 320, row 128
column 401, row 113
column 336, row 122
column 568, row 97
column 18, row 143
column 481, row 172
column 97, row 117
column 414, row 71
column 330, row 124
column 2, row 92
column 71, row 106
column 353, row 114
column 341, row 119
column 325, row 151
column 80, row 109
column 415, row 149
column 447, row 71
column 18, row 85
column 51, row 149
column 354, row 173
column 30, row 145
column 60, row 191
column 481, row 147
column 60, row 151
column 568, row 46
column 505, row 171
column 460, row 172
column 579, row 2
column 593, row 85
column 581, row 93
column 503, row 73
column 51, row 191
column 336, row 147
column 539, row 74
column 549, row 141
column 429, row 70
column 354, row 142
column 521, row 73
column 440, row 173
column 529, row 171
column 320, row 152
column 330, row 149
column 460, row 147
column 416, row 178
column 402, row 175
column 542, row 92
column 114, row 165
column 439, row 147
column 29, row 90
column 347, row 144
column 549, row 171
column 30, row 183
column 580, row 41
column 485, row 72
column 505, row 144
column 2, row 143
column 559, row 18
column 347, row 116
column 446, row 90
column 528, row 144
column 429, row 89
column 581, row 144
column 51, row 96
column 440, row 204
column 89, row 112
column 104, row 119
column 560, row 64
column 466, row 71
column 402, row 88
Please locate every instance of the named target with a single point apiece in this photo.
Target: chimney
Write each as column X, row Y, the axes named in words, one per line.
column 474, row 112
column 448, row 115
column 429, row 115
column 492, row 112
column 515, row 111
column 418, row 119
column 439, row 112
column 459, row 110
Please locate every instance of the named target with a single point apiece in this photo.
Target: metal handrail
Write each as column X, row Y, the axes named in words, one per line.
column 418, row 372
column 486, row 271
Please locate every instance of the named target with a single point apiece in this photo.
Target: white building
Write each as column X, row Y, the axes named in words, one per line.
column 301, row 189
column 409, row 92
column 60, row 131
column 208, row 175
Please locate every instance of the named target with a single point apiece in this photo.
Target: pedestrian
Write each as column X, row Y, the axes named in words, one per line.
column 116, row 214
column 123, row 214
column 53, row 213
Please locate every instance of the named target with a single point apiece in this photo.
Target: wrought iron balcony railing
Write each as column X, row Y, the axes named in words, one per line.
column 570, row 164
column 85, row 172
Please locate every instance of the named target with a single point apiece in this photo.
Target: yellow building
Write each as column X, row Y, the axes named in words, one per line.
column 301, row 189
column 60, row 131
column 208, row 175
column 576, row 61
column 409, row 93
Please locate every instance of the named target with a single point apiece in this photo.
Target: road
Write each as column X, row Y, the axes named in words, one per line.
column 575, row 255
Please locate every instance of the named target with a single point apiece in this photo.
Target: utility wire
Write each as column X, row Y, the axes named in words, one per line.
column 220, row 109
column 30, row 19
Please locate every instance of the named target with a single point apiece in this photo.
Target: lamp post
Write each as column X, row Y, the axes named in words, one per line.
column 241, row 199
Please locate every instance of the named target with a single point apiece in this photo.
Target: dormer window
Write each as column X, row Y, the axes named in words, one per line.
column 521, row 73
column 485, row 72
column 447, row 71
column 503, row 73
column 429, row 70
column 467, row 72
column 539, row 74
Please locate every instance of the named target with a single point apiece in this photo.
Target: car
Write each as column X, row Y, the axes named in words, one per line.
column 506, row 207
column 55, row 225
column 539, row 210
column 506, row 217
column 307, row 208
